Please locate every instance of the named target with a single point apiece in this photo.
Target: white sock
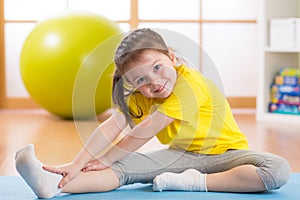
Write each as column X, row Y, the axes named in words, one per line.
column 44, row 184
column 189, row 180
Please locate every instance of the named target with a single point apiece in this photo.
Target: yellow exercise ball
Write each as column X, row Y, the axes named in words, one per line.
column 54, row 53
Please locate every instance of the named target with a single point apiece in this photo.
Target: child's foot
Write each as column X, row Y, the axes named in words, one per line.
column 189, row 180
column 44, row 184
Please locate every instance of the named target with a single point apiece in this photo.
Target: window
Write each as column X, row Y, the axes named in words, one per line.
column 225, row 29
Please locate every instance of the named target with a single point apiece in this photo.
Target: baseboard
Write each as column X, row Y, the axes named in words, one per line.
column 242, row 102
column 27, row 103
column 19, row 103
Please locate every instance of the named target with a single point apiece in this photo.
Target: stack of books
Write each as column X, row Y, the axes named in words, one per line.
column 285, row 92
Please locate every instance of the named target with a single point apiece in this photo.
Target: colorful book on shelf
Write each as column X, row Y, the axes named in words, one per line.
column 286, row 89
column 289, row 72
column 287, row 80
column 285, row 99
column 288, row 76
column 284, row 108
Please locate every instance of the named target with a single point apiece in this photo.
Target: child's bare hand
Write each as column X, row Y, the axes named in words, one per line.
column 69, row 171
column 95, row 165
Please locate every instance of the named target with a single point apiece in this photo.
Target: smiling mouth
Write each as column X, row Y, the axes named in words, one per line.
column 161, row 88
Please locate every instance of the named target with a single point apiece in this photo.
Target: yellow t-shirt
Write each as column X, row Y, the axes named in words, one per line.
column 203, row 119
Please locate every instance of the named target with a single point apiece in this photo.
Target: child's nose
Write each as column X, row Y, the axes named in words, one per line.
column 153, row 77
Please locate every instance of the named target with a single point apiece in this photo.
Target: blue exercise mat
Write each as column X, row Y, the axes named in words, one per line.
column 14, row 188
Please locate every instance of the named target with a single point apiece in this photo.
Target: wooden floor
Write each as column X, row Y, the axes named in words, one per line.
column 57, row 141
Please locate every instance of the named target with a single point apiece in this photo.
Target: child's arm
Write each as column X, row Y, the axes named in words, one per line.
column 102, row 137
column 134, row 139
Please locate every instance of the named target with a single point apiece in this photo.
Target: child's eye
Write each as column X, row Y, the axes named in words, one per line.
column 140, row 80
column 156, row 67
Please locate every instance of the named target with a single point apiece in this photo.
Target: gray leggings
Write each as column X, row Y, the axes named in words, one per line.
column 142, row 168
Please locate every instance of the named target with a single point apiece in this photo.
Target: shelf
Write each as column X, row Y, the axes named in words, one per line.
column 272, row 59
column 279, row 118
column 281, row 50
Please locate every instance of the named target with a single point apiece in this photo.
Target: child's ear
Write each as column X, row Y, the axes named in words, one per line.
column 172, row 56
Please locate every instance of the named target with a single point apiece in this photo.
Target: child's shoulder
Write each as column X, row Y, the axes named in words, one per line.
column 190, row 74
column 187, row 70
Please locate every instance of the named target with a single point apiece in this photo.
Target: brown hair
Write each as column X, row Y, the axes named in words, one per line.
column 129, row 51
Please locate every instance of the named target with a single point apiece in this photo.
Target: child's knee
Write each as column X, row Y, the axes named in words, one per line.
column 283, row 173
column 276, row 173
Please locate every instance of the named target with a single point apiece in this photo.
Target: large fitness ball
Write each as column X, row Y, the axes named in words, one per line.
column 54, row 53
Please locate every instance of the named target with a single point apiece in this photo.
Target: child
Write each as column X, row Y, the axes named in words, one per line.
column 158, row 96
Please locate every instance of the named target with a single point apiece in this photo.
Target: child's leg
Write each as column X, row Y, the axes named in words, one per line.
column 234, row 171
column 45, row 184
column 239, row 179
column 247, row 171
column 93, row 181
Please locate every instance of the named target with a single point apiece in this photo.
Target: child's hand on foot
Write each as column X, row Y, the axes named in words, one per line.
column 96, row 165
column 69, row 171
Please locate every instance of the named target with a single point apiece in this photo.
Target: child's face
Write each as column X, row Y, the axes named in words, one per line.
column 153, row 75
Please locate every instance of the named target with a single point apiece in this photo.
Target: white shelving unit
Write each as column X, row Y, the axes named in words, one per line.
column 273, row 59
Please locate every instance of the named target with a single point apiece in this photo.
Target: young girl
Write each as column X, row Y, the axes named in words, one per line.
column 158, row 96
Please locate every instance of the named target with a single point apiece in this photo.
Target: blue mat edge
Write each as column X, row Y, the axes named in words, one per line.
column 13, row 187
